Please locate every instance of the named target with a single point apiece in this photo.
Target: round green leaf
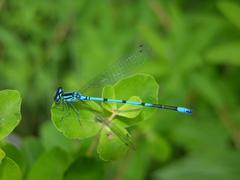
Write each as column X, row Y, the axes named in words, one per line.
column 51, row 165
column 10, row 102
column 67, row 121
column 9, row 170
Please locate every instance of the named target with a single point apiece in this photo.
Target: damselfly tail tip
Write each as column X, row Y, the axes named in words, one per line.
column 184, row 110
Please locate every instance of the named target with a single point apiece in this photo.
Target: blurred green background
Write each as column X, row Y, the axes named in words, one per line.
column 195, row 59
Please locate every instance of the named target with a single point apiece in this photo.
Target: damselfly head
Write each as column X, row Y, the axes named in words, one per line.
column 58, row 94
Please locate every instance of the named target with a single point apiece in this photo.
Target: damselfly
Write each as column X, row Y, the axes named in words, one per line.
column 116, row 71
column 64, row 97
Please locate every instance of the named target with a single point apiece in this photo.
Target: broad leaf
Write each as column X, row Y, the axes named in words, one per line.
column 10, row 102
column 74, row 125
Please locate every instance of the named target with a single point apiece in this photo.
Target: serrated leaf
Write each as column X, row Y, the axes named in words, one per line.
column 112, row 143
column 51, row 165
column 73, row 125
column 231, row 11
column 225, row 54
column 9, row 170
column 10, row 102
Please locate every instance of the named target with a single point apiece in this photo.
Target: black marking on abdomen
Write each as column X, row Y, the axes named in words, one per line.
column 124, row 101
column 143, row 103
column 105, row 99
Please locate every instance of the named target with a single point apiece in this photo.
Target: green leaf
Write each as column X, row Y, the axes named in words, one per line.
column 112, row 142
column 85, row 168
column 108, row 92
column 2, row 155
column 124, row 110
column 73, row 126
column 225, row 54
column 50, row 138
column 10, row 102
column 231, row 11
column 130, row 111
column 141, row 85
column 15, row 154
column 9, row 170
column 51, row 165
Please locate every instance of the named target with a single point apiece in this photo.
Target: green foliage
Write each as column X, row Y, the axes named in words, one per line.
column 113, row 137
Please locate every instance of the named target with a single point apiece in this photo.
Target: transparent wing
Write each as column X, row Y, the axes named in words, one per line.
column 124, row 136
column 119, row 69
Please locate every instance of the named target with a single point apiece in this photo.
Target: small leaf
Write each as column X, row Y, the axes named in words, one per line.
column 51, row 165
column 9, row 170
column 130, row 111
column 110, row 146
column 108, row 92
column 71, row 125
column 10, row 116
column 142, row 85
column 231, row 11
